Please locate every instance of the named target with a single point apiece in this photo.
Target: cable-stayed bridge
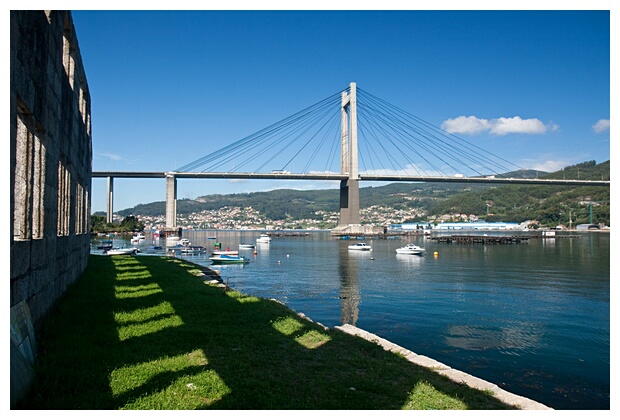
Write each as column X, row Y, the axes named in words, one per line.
column 349, row 137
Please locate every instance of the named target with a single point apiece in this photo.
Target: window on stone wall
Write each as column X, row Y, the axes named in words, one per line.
column 82, row 104
column 21, row 216
column 88, row 124
column 28, row 192
column 64, row 198
column 38, row 188
column 67, row 58
column 80, row 209
column 86, row 212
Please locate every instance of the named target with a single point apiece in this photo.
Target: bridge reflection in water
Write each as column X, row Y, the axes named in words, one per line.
column 349, row 276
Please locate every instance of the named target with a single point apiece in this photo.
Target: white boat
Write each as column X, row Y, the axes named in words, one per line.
column 121, row 251
column 172, row 240
column 175, row 242
column 225, row 252
column 228, row 259
column 105, row 245
column 360, row 246
column 137, row 237
column 263, row 239
column 247, row 246
column 410, row 249
column 193, row 249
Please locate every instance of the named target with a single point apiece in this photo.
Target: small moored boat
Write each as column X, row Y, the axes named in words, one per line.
column 228, row 259
column 247, row 246
column 263, row 239
column 172, row 240
column 121, row 251
column 410, row 249
column 225, row 252
column 360, row 246
column 193, row 249
column 105, row 245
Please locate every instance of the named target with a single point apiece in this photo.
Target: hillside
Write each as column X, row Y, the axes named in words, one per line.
column 548, row 204
column 277, row 204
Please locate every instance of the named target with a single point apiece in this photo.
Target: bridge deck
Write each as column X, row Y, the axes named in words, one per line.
column 340, row 177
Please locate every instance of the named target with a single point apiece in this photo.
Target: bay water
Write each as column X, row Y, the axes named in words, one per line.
column 532, row 317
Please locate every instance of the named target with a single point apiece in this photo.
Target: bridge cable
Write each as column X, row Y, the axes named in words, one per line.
column 244, row 142
column 372, row 118
column 402, row 132
column 469, row 148
column 282, row 132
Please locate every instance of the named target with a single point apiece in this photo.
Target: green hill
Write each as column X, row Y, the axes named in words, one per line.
column 550, row 205
column 277, row 204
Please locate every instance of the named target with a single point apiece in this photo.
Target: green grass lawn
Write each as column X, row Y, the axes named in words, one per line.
column 147, row 333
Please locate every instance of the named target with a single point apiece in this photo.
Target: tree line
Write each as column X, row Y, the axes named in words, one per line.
column 129, row 223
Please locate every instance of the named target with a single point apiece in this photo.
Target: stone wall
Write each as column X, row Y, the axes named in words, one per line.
column 51, row 161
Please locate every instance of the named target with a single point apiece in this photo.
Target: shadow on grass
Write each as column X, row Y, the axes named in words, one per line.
column 146, row 333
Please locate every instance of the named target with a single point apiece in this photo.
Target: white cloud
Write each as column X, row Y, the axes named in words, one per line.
column 601, row 126
column 503, row 126
column 499, row 126
column 550, row 165
column 391, row 172
column 324, row 172
column 110, row 156
column 465, row 125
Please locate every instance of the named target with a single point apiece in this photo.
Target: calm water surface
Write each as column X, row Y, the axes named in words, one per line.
column 533, row 318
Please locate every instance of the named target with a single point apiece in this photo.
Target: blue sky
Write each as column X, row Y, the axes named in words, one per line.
column 168, row 87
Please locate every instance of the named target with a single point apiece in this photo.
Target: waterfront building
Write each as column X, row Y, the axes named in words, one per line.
column 410, row 226
column 479, row 225
column 476, row 225
column 588, row 226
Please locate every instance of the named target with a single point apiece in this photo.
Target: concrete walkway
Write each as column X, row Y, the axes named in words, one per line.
column 455, row 375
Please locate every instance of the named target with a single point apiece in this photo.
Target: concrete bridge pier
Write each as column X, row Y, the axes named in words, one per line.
column 349, row 202
column 171, row 201
column 110, row 204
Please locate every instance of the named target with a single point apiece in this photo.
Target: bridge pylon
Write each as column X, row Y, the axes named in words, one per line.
column 349, row 188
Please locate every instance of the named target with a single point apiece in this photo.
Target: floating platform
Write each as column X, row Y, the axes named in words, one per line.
column 289, row 233
column 481, row 239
